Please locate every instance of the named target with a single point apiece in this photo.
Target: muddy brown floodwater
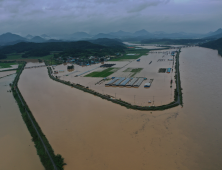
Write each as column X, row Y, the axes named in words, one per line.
column 17, row 151
column 6, row 73
column 95, row 134
column 12, row 67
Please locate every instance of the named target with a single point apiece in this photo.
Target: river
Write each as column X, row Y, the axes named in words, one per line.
column 92, row 133
column 17, row 151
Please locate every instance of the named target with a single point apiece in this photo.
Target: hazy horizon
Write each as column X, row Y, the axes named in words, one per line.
column 96, row 16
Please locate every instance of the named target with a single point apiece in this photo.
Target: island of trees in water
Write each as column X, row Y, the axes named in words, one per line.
column 70, row 67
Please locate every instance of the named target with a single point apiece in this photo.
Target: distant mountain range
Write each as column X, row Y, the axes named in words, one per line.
column 215, row 35
column 138, row 35
column 10, row 39
column 29, row 36
column 37, row 39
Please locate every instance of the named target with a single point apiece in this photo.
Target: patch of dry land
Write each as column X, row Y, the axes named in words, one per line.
column 160, row 92
column 6, row 73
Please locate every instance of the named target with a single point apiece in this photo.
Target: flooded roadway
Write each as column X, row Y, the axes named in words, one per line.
column 92, row 133
column 17, row 151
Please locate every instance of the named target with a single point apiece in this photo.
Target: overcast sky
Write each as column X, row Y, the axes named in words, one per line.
column 93, row 16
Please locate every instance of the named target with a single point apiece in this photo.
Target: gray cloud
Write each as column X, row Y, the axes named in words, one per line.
column 143, row 5
column 68, row 16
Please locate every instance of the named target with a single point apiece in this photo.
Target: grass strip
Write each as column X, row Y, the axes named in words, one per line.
column 105, row 73
column 179, row 80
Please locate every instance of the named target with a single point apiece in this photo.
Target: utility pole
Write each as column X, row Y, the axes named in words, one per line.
column 134, row 99
column 153, row 100
column 115, row 95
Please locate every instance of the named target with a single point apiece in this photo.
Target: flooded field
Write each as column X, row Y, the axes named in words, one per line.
column 92, row 133
column 12, row 67
column 17, row 151
column 149, row 46
column 159, row 93
column 146, row 46
column 6, row 73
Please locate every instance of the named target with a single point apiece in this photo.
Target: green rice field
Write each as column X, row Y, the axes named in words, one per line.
column 138, row 53
column 105, row 73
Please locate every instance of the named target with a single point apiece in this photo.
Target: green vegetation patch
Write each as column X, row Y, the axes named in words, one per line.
column 133, row 70
column 14, row 56
column 7, row 65
column 105, row 73
column 18, row 56
column 138, row 52
column 79, row 49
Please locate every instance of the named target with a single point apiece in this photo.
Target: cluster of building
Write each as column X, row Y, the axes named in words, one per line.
column 87, row 61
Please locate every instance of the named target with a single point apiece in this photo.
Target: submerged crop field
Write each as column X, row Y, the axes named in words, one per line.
column 134, row 71
column 138, row 54
column 105, row 73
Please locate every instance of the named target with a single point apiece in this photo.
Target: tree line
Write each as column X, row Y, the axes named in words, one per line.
column 217, row 45
column 74, row 49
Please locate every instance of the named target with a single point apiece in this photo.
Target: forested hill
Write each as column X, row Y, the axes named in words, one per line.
column 75, row 49
column 108, row 42
column 217, row 45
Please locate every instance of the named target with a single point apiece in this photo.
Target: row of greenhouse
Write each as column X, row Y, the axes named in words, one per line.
column 122, row 81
